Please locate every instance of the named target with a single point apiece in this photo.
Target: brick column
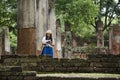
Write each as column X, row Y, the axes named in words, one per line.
column 115, row 39
column 26, row 27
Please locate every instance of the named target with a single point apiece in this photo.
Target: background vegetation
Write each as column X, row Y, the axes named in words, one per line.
column 81, row 14
column 8, row 17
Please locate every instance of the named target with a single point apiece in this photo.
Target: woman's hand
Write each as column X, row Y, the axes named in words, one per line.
column 49, row 42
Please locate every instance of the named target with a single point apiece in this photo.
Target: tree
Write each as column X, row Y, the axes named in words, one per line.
column 108, row 11
column 80, row 13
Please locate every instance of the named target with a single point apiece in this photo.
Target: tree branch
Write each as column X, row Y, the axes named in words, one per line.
column 111, row 17
column 94, row 26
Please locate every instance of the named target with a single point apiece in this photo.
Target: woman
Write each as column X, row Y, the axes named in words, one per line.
column 48, row 44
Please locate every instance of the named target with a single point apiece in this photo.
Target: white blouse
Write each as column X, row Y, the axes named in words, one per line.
column 44, row 41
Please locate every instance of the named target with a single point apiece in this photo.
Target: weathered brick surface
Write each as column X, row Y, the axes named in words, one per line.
column 95, row 63
column 9, row 73
column 13, row 66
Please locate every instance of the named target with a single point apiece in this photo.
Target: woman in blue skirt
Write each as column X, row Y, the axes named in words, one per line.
column 48, row 44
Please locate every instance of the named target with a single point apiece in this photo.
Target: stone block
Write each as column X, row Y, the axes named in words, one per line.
column 32, row 64
column 57, row 65
column 9, row 60
column 104, row 65
column 3, row 78
column 60, row 69
column 114, row 59
column 8, row 73
column 90, row 56
column 93, row 60
column 14, row 68
column 85, row 69
column 77, row 60
column 1, row 61
column 29, row 60
column 24, row 65
column 110, row 65
column 2, row 68
column 14, row 77
column 82, row 64
column 118, row 70
column 9, row 56
column 10, row 69
column 68, row 64
column 29, row 78
column 49, row 69
column 64, row 60
column 34, row 68
column 72, row 69
column 105, row 70
column 29, row 73
column 109, row 79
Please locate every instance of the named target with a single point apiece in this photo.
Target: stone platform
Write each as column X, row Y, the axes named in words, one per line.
column 79, row 76
column 32, row 67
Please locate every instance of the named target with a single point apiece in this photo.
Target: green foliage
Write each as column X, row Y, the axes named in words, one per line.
column 13, row 40
column 80, row 13
column 8, row 13
column 8, row 17
column 109, row 10
column 83, row 14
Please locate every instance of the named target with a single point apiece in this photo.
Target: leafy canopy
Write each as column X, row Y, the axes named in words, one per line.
column 80, row 13
column 109, row 12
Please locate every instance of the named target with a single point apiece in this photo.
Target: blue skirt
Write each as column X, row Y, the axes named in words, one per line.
column 47, row 50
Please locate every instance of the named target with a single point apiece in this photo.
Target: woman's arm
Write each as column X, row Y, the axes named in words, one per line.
column 53, row 42
column 44, row 40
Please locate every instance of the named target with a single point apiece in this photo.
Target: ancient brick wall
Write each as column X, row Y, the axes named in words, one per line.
column 115, row 39
column 94, row 63
column 19, row 67
column 27, row 42
column 15, row 73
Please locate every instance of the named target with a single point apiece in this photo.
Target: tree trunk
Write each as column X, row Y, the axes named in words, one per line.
column 26, row 27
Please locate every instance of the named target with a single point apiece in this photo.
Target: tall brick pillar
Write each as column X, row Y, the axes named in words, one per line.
column 114, row 39
column 26, row 27
column 68, row 40
column 35, row 17
column 100, row 37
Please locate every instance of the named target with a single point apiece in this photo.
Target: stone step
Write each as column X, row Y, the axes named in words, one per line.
column 96, row 64
column 16, row 73
column 78, row 76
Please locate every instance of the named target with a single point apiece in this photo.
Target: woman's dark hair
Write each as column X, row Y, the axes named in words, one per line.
column 49, row 38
